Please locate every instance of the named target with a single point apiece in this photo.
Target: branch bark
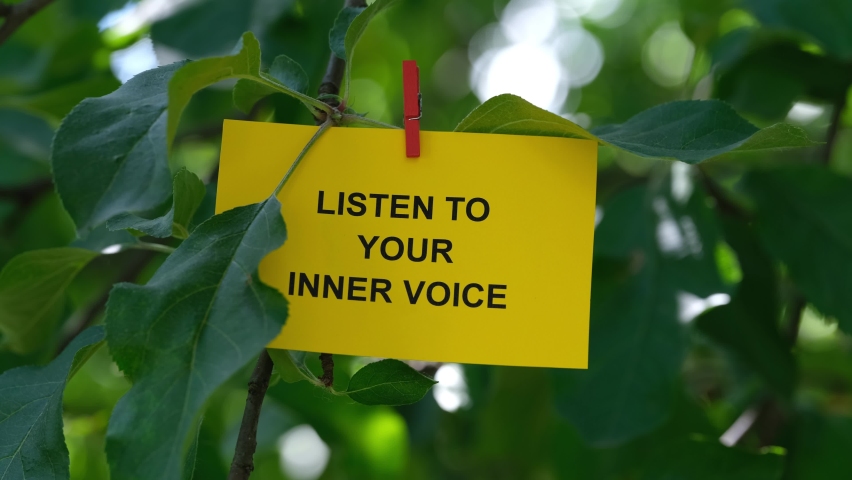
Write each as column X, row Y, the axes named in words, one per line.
column 333, row 78
column 17, row 14
column 243, row 463
column 327, row 361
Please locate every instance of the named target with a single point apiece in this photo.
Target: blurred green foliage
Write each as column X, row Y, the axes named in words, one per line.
column 720, row 321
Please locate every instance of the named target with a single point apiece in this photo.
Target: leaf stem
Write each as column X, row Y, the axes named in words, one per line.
column 154, row 247
column 348, row 118
column 310, row 101
column 301, row 155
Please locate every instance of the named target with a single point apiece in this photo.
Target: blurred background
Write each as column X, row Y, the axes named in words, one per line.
column 595, row 62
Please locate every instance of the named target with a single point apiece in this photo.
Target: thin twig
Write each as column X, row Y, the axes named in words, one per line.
column 243, row 463
column 17, row 14
column 327, row 361
column 723, row 203
column 349, row 119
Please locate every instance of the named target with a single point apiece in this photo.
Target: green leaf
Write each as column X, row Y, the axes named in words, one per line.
column 388, row 382
column 825, row 21
column 245, row 64
column 109, row 155
column 710, row 460
column 284, row 70
column 357, row 27
column 650, row 250
column 32, row 294
column 290, row 365
column 200, row 318
column 59, row 101
column 33, row 444
column 748, row 326
column 803, row 220
column 187, row 196
column 24, row 148
column 767, row 79
column 189, row 30
column 820, row 447
column 689, row 131
column 337, row 34
column 202, row 73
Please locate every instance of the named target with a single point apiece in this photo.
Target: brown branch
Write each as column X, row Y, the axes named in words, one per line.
column 327, row 361
column 333, row 78
column 723, row 203
column 17, row 14
column 770, row 417
column 243, row 463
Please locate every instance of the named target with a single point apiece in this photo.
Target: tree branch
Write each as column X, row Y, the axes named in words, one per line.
column 331, row 81
column 327, row 361
column 723, row 203
column 243, row 463
column 17, row 14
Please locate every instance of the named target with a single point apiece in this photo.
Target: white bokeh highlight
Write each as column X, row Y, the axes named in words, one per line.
column 539, row 51
column 302, row 453
column 451, row 390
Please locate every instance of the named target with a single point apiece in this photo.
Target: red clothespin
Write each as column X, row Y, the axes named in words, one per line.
column 412, row 107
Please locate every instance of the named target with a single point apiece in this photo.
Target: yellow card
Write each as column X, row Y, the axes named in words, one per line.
column 479, row 251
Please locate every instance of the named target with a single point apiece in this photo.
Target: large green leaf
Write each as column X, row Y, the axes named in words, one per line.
column 337, row 34
column 245, row 64
column 689, row 131
column 748, row 326
column 825, row 21
column 188, row 193
column 24, row 147
column 199, row 74
column 650, row 250
column 58, row 102
column 32, row 294
column 356, row 28
column 284, row 70
column 202, row 316
column 710, row 460
column 189, row 30
column 388, row 382
column 109, row 155
column 33, row 445
column 820, row 447
column 803, row 219
column 767, row 79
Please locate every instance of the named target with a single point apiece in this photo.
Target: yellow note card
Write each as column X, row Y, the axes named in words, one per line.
column 478, row 251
